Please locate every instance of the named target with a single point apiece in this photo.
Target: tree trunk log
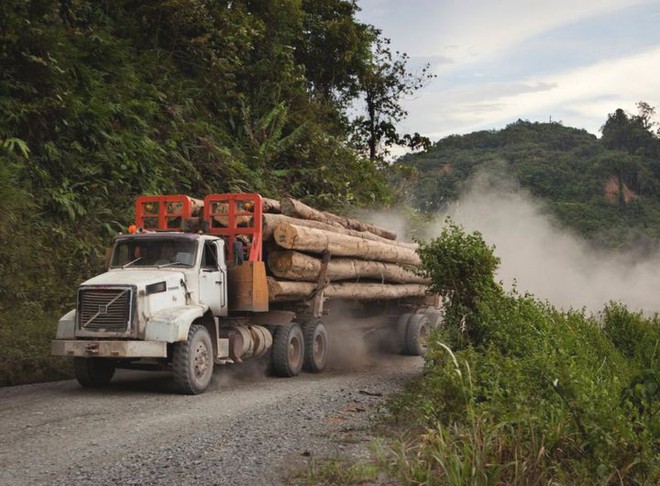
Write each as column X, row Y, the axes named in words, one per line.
column 293, row 265
column 196, row 206
column 271, row 221
column 296, row 209
column 294, row 237
column 271, row 205
column 282, row 291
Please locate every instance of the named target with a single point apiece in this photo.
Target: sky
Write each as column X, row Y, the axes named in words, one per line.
column 497, row 61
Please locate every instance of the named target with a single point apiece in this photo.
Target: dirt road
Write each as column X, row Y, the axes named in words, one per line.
column 247, row 429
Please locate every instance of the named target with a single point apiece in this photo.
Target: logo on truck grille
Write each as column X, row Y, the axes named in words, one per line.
column 106, row 309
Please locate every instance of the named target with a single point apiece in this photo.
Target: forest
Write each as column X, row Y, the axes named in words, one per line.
column 604, row 189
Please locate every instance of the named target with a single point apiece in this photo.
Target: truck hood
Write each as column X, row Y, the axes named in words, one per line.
column 139, row 278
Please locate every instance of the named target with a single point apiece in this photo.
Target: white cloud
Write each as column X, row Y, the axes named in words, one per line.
column 576, row 97
column 469, row 30
column 497, row 61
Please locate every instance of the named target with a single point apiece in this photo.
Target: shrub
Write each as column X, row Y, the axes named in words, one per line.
column 531, row 394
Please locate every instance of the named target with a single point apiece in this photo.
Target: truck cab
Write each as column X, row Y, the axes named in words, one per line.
column 165, row 300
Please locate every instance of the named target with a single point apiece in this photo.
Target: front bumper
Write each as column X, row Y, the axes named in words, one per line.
column 109, row 349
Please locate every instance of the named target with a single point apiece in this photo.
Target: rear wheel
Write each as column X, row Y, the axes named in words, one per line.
column 192, row 361
column 94, row 372
column 316, row 346
column 417, row 335
column 288, row 350
column 399, row 335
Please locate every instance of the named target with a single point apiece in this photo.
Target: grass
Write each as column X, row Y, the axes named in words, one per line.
column 338, row 472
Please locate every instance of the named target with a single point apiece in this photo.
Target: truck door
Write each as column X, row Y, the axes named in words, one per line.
column 213, row 278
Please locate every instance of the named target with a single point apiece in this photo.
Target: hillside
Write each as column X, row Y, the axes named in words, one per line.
column 610, row 196
column 103, row 101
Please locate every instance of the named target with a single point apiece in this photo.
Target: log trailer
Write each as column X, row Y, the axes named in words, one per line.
column 188, row 288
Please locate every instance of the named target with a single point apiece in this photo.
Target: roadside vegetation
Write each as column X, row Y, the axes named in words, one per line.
column 515, row 391
column 518, row 392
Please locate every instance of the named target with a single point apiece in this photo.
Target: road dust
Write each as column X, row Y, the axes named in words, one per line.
column 250, row 371
column 353, row 343
column 546, row 260
column 392, row 220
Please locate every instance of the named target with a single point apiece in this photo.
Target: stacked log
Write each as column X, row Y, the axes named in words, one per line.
column 291, row 207
column 365, row 261
column 312, row 240
column 282, row 291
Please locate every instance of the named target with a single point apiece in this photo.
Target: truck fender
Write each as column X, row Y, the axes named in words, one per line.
column 66, row 326
column 172, row 325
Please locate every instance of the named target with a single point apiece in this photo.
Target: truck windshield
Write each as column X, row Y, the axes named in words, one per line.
column 153, row 252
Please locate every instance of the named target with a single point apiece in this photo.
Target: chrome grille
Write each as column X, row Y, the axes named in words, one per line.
column 105, row 309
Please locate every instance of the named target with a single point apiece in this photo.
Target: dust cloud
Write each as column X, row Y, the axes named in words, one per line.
column 349, row 343
column 250, row 371
column 392, row 220
column 546, row 260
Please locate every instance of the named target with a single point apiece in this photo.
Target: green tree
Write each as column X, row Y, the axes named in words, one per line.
column 631, row 133
column 384, row 83
column 333, row 48
column 462, row 268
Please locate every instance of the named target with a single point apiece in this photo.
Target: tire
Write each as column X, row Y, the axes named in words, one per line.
column 400, row 331
column 316, row 346
column 417, row 335
column 288, row 350
column 192, row 361
column 94, row 372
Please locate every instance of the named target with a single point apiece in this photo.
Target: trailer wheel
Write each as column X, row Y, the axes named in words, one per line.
column 417, row 335
column 192, row 361
column 288, row 350
column 400, row 331
column 316, row 346
column 94, row 372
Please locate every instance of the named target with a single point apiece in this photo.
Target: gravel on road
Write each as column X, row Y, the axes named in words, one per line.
column 247, row 429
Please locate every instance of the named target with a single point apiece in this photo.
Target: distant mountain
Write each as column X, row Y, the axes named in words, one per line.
column 607, row 189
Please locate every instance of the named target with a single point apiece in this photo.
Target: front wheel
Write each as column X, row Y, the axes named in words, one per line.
column 192, row 361
column 94, row 372
column 288, row 350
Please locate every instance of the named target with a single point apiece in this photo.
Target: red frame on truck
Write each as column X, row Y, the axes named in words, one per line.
column 233, row 215
column 163, row 213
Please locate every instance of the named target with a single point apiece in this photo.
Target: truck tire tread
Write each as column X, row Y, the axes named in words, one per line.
column 316, row 346
column 288, row 350
column 417, row 333
column 94, row 372
column 192, row 361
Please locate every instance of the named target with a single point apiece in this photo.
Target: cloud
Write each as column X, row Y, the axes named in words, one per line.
column 579, row 97
column 476, row 28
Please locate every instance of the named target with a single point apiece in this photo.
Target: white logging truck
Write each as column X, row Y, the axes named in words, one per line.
column 195, row 284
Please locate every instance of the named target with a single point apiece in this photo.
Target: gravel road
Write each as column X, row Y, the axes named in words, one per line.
column 247, row 429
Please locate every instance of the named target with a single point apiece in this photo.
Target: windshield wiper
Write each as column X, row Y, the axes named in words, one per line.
column 170, row 263
column 132, row 262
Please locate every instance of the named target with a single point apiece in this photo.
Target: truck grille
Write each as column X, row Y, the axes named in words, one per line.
column 105, row 309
